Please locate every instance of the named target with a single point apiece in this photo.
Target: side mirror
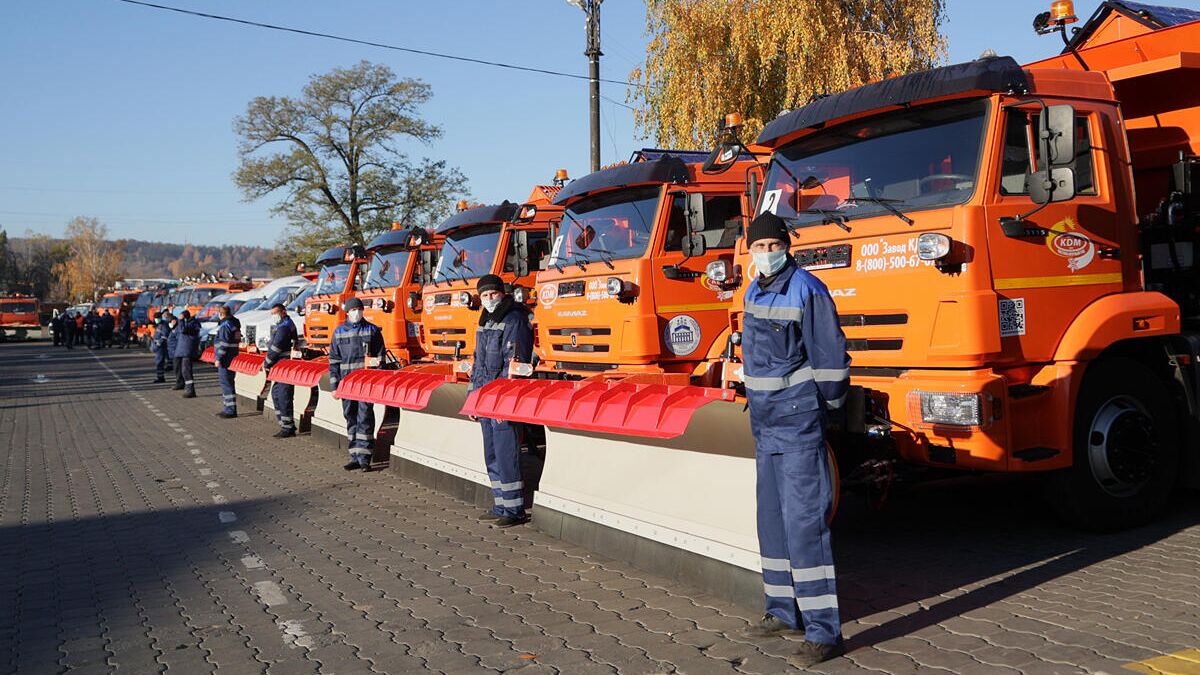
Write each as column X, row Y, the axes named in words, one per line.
column 521, row 250
column 722, row 157
column 693, row 243
column 585, row 237
column 1057, row 131
column 460, row 259
column 1051, row 185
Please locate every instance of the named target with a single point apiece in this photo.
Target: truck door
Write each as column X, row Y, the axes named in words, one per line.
column 1045, row 278
column 692, row 310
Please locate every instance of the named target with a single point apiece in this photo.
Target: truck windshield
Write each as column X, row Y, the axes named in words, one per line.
column 387, row 268
column 110, row 301
column 468, row 253
column 209, row 310
column 249, row 305
column 234, row 305
column 332, row 278
column 201, row 296
column 18, row 307
column 611, row 225
column 144, row 300
column 281, row 296
column 920, row 158
column 305, row 294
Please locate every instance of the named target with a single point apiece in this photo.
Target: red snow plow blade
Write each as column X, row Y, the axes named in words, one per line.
column 612, row 407
column 247, row 364
column 209, row 355
column 299, row 373
column 399, row 388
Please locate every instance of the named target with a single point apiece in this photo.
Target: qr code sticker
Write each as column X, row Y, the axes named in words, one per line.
column 1012, row 317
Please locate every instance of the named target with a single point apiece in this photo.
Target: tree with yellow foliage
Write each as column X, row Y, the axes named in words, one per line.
column 706, row 58
column 94, row 263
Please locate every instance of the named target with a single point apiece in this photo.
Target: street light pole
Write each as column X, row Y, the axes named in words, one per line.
column 592, row 9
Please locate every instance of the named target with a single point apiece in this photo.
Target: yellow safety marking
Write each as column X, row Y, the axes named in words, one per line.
column 694, row 308
column 1186, row 662
column 1057, row 280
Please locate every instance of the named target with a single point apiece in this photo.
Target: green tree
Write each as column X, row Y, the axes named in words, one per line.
column 35, row 257
column 339, row 168
column 706, row 58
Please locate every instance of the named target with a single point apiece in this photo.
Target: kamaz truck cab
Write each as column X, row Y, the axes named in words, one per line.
column 1010, row 249
column 19, row 316
column 626, row 314
column 391, row 293
column 341, row 276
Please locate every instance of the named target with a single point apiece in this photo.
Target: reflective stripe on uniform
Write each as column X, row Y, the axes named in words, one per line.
column 276, row 349
column 511, row 503
column 836, row 403
column 776, row 564
column 516, row 485
column 225, row 344
column 813, row 573
column 776, row 312
column 817, row 602
column 778, row 591
column 799, row 376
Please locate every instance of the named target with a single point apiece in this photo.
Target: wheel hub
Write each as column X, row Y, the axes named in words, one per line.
column 1122, row 446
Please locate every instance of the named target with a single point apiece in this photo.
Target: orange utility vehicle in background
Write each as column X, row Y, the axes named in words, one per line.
column 627, row 319
column 1012, row 253
column 391, row 293
column 18, row 316
column 509, row 240
column 117, row 303
column 342, row 271
column 199, row 294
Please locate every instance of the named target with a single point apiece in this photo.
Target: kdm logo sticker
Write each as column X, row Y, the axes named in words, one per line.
column 682, row 335
column 1076, row 248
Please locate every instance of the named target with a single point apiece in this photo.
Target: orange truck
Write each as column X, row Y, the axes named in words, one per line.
column 509, row 240
column 391, row 293
column 18, row 316
column 629, row 325
column 1011, row 249
column 117, row 303
column 340, row 277
column 200, row 294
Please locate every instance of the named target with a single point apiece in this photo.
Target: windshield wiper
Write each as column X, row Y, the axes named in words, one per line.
column 885, row 203
column 457, row 252
column 582, row 260
column 830, row 218
column 605, row 257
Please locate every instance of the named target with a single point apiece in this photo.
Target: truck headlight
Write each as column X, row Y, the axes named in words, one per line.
column 933, row 246
column 520, row 294
column 614, row 286
column 464, row 298
column 736, row 337
column 718, row 271
column 950, row 408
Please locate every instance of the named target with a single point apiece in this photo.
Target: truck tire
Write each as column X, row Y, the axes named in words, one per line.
column 1126, row 449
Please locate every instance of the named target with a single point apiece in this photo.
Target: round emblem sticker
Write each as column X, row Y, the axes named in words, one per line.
column 682, row 335
column 548, row 294
column 429, row 303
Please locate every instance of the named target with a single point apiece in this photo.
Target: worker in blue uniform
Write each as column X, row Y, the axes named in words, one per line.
column 185, row 350
column 283, row 340
column 353, row 343
column 158, row 344
column 173, row 349
column 796, row 371
column 504, row 336
column 225, row 348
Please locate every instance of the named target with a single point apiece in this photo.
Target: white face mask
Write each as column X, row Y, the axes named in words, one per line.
column 275, row 318
column 769, row 262
column 490, row 305
column 355, row 315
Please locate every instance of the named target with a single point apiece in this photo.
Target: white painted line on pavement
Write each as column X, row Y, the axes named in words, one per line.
column 227, row 517
column 238, row 536
column 219, row 499
column 205, row 472
column 199, row 460
column 194, row 451
column 294, row 635
column 212, row 484
column 253, row 562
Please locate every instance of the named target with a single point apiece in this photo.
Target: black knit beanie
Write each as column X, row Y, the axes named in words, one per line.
column 490, row 282
column 767, row 225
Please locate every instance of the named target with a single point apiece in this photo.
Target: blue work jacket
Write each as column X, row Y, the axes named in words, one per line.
column 352, row 343
column 189, row 338
column 173, row 341
column 283, row 340
column 225, row 344
column 795, row 368
column 162, row 336
column 503, row 336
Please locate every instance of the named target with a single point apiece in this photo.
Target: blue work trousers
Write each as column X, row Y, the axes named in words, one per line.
column 160, row 362
column 282, row 396
column 502, row 454
column 228, row 393
column 185, row 373
column 795, row 496
column 360, row 428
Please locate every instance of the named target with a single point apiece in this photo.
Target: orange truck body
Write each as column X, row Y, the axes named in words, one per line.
column 198, row 295
column 391, row 291
column 340, row 278
column 1012, row 320
column 117, row 303
column 19, row 313
column 626, row 317
column 508, row 240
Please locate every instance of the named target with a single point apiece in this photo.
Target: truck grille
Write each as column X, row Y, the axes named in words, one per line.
column 874, row 345
column 441, row 299
column 570, row 289
column 872, row 319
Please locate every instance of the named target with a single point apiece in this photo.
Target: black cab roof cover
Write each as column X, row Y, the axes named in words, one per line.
column 493, row 213
column 393, row 238
column 986, row 75
column 666, row 169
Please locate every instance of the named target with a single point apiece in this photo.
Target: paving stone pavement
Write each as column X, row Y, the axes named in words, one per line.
column 139, row 533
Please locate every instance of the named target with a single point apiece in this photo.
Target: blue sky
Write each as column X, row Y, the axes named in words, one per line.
column 125, row 113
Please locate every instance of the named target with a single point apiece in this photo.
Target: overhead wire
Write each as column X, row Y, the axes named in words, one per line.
column 369, row 43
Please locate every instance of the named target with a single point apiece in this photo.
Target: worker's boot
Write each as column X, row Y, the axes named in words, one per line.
column 510, row 521
column 189, row 393
column 812, row 653
column 159, row 380
column 351, row 465
column 769, row 626
column 284, row 433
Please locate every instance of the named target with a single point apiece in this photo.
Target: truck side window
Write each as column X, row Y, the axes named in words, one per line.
column 537, row 245
column 1020, row 137
column 722, row 223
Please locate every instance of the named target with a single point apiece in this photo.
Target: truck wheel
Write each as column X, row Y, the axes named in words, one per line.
column 1126, row 449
